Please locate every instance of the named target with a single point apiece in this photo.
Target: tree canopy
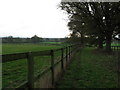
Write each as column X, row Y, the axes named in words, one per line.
column 98, row 20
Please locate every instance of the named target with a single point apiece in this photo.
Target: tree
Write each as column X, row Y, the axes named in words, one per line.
column 10, row 39
column 35, row 39
column 99, row 19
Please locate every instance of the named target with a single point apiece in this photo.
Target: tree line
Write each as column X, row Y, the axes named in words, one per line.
column 34, row 39
column 94, row 22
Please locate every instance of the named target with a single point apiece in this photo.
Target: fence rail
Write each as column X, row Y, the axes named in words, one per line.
column 68, row 51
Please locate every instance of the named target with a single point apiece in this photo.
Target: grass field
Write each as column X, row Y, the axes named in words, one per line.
column 15, row 72
column 90, row 69
column 113, row 44
column 52, row 42
column 15, row 48
column 94, row 69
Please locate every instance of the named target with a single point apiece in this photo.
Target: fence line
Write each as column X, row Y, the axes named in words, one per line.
column 69, row 51
column 115, row 48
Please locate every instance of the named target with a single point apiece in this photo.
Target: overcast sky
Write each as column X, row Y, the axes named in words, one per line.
column 25, row 18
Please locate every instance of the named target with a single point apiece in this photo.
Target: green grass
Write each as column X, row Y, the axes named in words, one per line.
column 0, row 48
column 113, row 44
column 16, row 48
column 52, row 42
column 55, row 43
column 15, row 72
column 90, row 69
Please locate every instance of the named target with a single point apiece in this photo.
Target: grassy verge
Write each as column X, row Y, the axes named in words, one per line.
column 90, row 69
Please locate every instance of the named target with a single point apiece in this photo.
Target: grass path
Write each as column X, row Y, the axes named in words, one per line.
column 90, row 69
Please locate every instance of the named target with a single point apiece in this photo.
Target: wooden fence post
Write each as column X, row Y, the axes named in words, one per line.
column 30, row 71
column 62, row 62
column 52, row 66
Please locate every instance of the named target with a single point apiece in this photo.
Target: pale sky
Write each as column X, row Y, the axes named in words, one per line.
column 25, row 18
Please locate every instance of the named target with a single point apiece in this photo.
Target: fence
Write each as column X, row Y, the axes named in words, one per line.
column 66, row 54
column 115, row 48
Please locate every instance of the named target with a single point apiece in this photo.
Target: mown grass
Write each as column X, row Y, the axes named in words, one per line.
column 17, row 48
column 15, row 72
column 113, row 44
column 52, row 42
column 90, row 69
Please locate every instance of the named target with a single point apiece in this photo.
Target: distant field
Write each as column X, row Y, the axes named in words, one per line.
column 113, row 44
column 0, row 48
column 15, row 48
column 53, row 42
column 15, row 72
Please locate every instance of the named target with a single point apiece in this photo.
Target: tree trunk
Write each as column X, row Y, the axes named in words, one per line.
column 82, row 41
column 100, row 45
column 108, row 42
column 100, row 42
